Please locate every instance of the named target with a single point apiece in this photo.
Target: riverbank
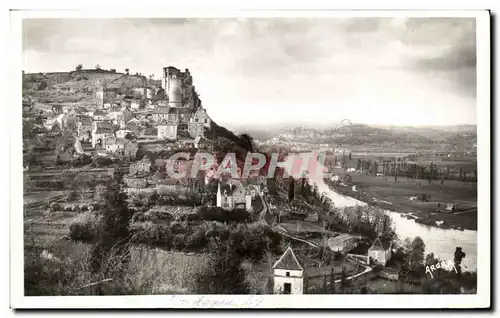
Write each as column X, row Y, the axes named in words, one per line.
column 442, row 242
column 399, row 199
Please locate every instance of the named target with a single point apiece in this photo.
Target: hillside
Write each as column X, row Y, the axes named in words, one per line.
column 78, row 88
column 74, row 86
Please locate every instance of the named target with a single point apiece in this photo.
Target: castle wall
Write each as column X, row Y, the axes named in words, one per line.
column 196, row 129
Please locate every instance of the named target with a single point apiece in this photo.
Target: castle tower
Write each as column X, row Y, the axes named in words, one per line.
column 288, row 274
column 172, row 84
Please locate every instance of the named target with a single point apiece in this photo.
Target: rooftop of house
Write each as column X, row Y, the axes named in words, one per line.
column 381, row 244
column 172, row 182
column 103, row 130
column 87, row 121
column 162, row 110
column 341, row 238
column 288, row 261
column 153, row 131
column 80, row 109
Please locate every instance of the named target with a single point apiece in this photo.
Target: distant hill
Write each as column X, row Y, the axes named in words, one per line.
column 463, row 136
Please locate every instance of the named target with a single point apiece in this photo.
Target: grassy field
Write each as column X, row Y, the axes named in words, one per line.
column 386, row 193
column 384, row 286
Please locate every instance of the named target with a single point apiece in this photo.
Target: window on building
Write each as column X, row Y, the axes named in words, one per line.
column 287, row 274
column 206, row 121
column 196, row 120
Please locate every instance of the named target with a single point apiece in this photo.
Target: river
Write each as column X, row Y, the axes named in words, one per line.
column 441, row 242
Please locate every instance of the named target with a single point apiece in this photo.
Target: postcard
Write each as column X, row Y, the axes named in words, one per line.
column 250, row 159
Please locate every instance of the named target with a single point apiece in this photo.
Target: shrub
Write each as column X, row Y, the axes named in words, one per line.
column 85, row 227
column 55, row 207
column 221, row 215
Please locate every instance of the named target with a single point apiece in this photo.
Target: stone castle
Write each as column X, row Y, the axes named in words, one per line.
column 178, row 111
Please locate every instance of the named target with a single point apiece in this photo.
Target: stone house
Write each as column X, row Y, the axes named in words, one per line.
column 200, row 116
column 196, row 129
column 121, row 133
column 100, row 133
column 99, row 115
column 114, row 144
column 84, row 128
column 233, row 195
column 380, row 251
column 288, row 274
column 160, row 113
column 343, row 243
column 141, row 166
column 167, row 131
column 130, row 150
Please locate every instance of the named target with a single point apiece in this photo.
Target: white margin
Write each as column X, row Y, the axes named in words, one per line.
column 480, row 300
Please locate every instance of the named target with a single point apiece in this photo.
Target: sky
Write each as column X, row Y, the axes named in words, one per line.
column 262, row 71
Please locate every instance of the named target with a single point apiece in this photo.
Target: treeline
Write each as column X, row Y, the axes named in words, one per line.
column 410, row 169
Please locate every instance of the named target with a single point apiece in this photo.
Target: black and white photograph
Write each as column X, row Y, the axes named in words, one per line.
column 248, row 160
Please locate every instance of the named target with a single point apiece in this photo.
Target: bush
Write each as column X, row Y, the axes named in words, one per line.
column 55, row 207
column 82, row 232
column 221, row 215
column 85, row 228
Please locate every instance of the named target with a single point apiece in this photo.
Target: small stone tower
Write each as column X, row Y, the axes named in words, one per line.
column 288, row 274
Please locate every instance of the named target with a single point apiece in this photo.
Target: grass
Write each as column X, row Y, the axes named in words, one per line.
column 384, row 286
column 149, row 271
column 297, row 226
column 376, row 190
column 169, row 271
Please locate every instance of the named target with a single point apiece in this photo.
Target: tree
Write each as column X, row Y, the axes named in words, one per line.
column 291, row 189
column 396, row 168
column 430, row 259
column 248, row 140
column 374, row 168
column 127, row 71
column 79, row 67
column 415, row 257
column 97, row 67
column 224, row 274
column 113, row 233
column 343, row 281
column 332, row 280
column 459, row 255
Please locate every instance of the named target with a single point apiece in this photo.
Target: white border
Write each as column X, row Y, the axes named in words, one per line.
column 480, row 300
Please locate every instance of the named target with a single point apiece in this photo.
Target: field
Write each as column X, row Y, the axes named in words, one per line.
column 384, row 286
column 384, row 192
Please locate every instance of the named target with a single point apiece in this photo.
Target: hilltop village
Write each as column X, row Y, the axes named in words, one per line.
column 96, row 175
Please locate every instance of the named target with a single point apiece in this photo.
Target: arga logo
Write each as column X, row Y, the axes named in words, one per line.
column 445, row 265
